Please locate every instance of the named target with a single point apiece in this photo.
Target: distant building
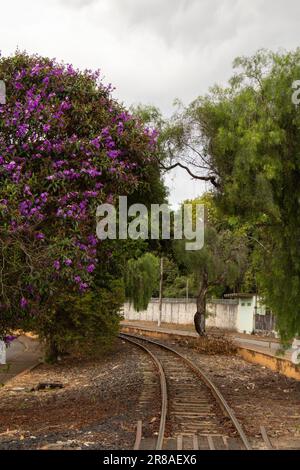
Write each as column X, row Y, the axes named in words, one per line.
column 252, row 314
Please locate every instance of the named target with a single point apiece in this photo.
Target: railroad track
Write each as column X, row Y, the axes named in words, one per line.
column 192, row 407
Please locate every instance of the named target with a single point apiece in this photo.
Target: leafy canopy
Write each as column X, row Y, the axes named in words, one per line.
column 248, row 134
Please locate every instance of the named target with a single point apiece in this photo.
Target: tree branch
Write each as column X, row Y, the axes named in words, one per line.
column 212, row 179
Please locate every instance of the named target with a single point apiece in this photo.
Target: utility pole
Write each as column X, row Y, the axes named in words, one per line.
column 160, row 290
column 186, row 293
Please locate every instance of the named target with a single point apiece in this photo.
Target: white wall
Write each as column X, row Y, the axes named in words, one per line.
column 221, row 313
column 173, row 311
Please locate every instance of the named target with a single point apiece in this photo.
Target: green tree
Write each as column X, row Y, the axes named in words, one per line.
column 220, row 263
column 246, row 138
column 141, row 280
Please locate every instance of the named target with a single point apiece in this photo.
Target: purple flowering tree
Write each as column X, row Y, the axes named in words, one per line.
column 65, row 146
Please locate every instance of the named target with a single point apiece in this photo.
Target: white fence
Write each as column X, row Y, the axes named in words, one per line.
column 221, row 313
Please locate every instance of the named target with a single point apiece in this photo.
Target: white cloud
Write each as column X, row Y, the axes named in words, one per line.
column 152, row 51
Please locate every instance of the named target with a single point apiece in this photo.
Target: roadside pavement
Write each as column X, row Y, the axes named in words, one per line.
column 22, row 354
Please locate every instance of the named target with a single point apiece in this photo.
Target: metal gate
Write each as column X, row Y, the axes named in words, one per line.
column 265, row 322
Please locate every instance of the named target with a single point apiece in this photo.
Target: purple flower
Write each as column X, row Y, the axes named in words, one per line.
column 110, row 143
column 18, row 86
column 77, row 279
column 56, row 265
column 83, row 286
column 44, row 197
column 90, row 193
column 113, row 153
column 92, row 240
column 65, row 105
column 24, row 207
column 23, row 302
column 9, row 339
column 27, row 190
column 70, row 70
column 105, row 131
column 93, row 172
column 22, row 130
column 68, row 262
column 59, row 163
column 36, row 69
column 40, row 236
column 91, row 268
column 96, row 143
column 120, row 128
column 10, row 166
column 46, row 80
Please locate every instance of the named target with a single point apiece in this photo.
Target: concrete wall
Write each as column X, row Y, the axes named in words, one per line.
column 221, row 313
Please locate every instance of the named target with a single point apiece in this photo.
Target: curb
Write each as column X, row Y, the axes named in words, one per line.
column 276, row 364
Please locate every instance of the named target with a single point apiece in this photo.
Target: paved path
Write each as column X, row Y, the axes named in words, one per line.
column 22, row 354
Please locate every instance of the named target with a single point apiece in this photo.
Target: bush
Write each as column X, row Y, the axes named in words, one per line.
column 87, row 325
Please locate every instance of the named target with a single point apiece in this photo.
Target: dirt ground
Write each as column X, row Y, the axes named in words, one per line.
column 95, row 409
column 258, row 396
column 101, row 401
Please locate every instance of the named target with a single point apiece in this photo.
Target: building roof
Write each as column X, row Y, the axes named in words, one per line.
column 238, row 295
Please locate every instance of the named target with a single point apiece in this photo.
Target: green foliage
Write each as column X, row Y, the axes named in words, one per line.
column 174, row 281
column 245, row 137
column 178, row 288
column 141, row 279
column 250, row 132
column 87, row 324
column 221, row 261
column 149, row 115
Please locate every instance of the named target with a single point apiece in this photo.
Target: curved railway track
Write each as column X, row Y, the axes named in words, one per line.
column 191, row 405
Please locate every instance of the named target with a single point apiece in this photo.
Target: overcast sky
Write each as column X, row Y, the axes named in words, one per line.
column 152, row 50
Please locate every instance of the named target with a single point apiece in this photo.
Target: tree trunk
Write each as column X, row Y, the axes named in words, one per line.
column 199, row 318
column 52, row 352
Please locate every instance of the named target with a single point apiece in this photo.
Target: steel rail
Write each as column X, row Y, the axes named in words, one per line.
column 163, row 387
column 215, row 391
